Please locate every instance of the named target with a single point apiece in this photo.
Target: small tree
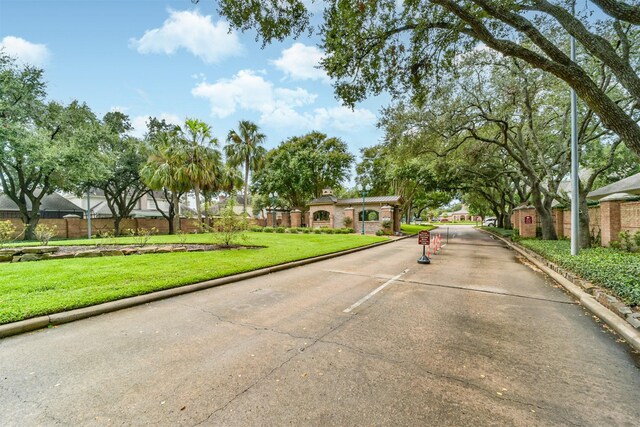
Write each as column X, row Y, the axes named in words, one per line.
column 229, row 226
column 44, row 233
column 347, row 222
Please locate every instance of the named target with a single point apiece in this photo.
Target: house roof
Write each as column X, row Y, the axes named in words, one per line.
column 462, row 211
column 323, row 200
column 629, row 185
column 328, row 199
column 50, row 202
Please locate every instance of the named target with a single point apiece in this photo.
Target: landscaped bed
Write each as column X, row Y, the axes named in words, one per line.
column 29, row 289
column 609, row 268
column 415, row 229
column 613, row 269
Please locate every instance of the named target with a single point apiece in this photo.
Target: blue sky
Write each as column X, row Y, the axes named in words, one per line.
column 172, row 59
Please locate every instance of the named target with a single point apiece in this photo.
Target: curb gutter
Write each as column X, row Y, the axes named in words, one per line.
column 40, row 322
column 615, row 322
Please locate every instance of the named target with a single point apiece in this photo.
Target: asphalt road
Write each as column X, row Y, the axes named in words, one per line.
column 475, row 338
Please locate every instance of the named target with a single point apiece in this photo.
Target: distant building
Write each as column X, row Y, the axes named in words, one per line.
column 52, row 206
column 329, row 211
column 145, row 207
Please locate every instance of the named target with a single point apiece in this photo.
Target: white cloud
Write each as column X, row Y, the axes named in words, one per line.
column 25, row 52
column 301, row 62
column 209, row 41
column 139, row 123
column 250, row 91
column 278, row 106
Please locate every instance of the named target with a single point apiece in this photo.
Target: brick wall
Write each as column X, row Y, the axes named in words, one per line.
column 630, row 217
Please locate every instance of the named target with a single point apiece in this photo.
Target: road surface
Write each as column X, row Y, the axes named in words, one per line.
column 371, row 339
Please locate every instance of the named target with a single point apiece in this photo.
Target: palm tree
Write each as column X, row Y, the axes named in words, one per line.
column 243, row 147
column 161, row 172
column 201, row 162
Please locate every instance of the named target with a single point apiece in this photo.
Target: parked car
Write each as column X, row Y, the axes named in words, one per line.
column 490, row 221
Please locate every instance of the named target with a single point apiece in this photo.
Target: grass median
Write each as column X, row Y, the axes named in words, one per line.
column 38, row 288
column 415, row 229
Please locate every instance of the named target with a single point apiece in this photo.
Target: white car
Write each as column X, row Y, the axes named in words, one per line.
column 490, row 221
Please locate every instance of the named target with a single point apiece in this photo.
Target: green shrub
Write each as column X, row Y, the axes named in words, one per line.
column 306, row 230
column 7, row 230
column 44, row 233
column 279, row 230
column 349, row 230
column 609, row 268
column 256, row 229
column 317, row 230
column 268, row 230
column 379, row 233
column 347, row 221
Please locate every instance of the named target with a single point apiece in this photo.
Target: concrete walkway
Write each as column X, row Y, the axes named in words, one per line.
column 371, row 338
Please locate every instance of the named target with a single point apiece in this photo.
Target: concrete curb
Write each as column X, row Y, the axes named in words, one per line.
column 624, row 329
column 40, row 322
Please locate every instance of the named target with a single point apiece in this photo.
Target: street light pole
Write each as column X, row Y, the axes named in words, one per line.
column 575, row 177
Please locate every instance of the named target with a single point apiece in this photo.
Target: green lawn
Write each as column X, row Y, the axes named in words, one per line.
column 414, row 229
column 44, row 287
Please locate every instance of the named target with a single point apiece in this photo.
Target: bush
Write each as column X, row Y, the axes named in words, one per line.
column 256, row 229
column 317, row 230
column 379, row 233
column 349, row 230
column 44, row 233
column 230, row 227
column 268, row 230
column 306, row 231
column 279, row 230
column 609, row 268
column 347, row 221
column 7, row 230
column 142, row 235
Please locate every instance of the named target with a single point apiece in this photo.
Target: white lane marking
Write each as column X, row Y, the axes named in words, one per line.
column 375, row 291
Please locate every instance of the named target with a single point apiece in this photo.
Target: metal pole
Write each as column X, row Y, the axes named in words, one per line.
column 88, row 214
column 575, row 178
column 362, row 214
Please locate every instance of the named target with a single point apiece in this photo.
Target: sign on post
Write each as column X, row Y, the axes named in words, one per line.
column 424, row 238
column 528, row 219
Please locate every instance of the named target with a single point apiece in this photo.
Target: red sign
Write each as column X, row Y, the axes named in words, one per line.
column 528, row 219
column 424, row 237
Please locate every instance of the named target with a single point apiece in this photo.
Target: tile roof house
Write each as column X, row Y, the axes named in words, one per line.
column 332, row 212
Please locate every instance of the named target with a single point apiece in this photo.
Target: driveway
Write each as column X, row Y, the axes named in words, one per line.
column 371, row 338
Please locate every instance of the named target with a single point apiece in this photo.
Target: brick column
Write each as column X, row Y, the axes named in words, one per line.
column 296, row 218
column 609, row 221
column 272, row 218
column 558, row 221
column 286, row 219
column 73, row 227
column 527, row 222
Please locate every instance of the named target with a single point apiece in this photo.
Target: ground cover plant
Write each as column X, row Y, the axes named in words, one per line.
column 499, row 231
column 610, row 268
column 37, row 288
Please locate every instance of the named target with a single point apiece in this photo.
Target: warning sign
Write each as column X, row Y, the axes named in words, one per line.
column 424, row 237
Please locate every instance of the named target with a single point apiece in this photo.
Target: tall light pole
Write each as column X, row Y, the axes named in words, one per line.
column 575, row 178
column 88, row 214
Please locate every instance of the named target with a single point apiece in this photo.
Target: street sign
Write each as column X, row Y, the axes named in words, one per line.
column 424, row 238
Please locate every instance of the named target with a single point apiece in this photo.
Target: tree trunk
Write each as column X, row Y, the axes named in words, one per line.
column 246, row 186
column 116, row 225
column 546, row 219
column 30, row 224
column 584, row 235
column 196, row 189
column 174, row 224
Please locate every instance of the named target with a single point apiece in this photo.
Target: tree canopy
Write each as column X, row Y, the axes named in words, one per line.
column 400, row 47
column 300, row 167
